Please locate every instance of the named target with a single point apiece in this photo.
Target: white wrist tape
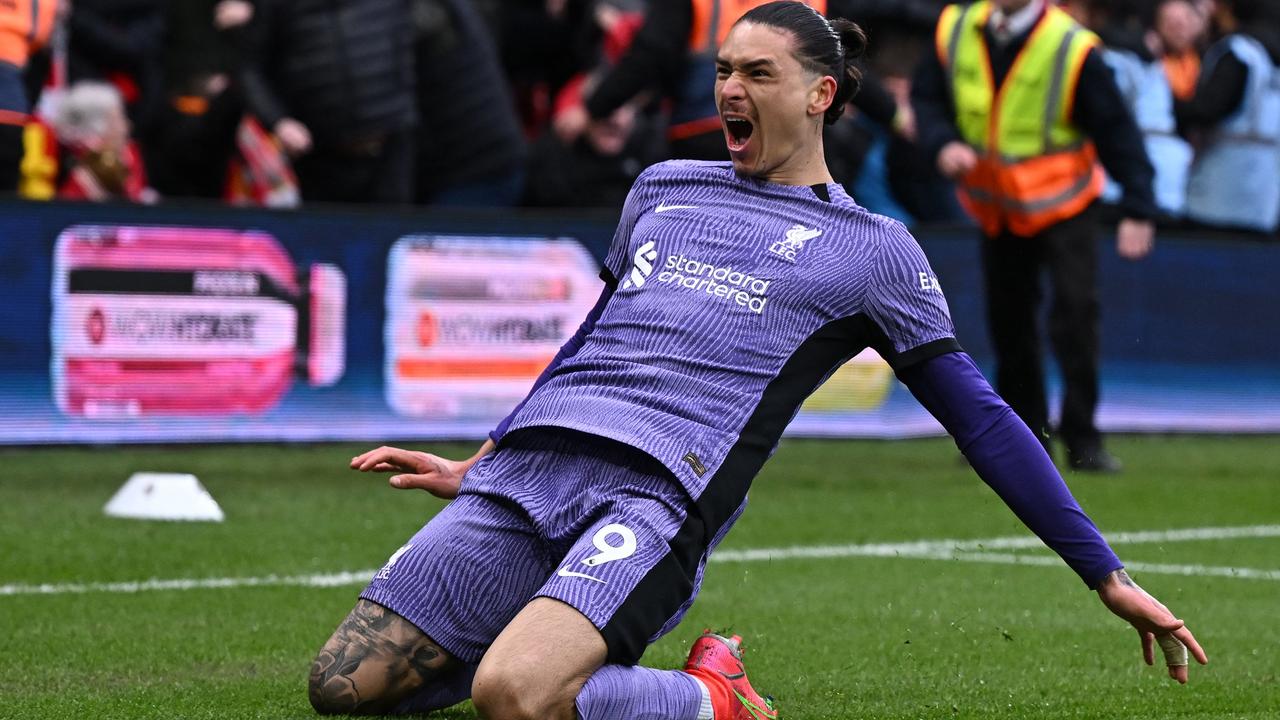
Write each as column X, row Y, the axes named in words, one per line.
column 1175, row 653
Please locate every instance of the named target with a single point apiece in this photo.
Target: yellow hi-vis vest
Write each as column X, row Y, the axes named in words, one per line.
column 1035, row 167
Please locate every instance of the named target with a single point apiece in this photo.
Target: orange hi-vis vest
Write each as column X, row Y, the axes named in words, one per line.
column 25, row 25
column 1035, row 167
column 695, row 109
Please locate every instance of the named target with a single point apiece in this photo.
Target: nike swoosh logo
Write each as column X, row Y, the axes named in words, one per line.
column 663, row 208
column 756, row 711
column 566, row 572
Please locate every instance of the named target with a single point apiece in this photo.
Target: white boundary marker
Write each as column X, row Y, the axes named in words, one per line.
column 966, row 550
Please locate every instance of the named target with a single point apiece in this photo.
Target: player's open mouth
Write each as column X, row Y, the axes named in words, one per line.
column 737, row 131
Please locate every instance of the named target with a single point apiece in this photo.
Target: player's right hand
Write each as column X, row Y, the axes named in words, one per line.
column 1153, row 621
column 418, row 470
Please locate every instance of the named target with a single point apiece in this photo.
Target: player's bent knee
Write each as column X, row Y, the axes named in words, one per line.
column 502, row 691
column 497, row 701
column 538, row 664
column 374, row 661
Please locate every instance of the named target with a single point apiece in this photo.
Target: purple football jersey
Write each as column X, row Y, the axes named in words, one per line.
column 735, row 299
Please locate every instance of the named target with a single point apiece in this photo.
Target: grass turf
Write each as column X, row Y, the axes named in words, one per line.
column 831, row 638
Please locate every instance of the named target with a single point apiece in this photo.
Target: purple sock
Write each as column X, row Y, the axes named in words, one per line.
column 618, row 692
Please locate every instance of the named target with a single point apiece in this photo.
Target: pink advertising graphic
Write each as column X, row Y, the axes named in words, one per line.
column 154, row 321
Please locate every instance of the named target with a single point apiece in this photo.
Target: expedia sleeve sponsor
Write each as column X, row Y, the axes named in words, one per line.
column 156, row 321
column 905, row 299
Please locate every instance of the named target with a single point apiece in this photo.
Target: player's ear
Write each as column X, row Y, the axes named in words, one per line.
column 821, row 94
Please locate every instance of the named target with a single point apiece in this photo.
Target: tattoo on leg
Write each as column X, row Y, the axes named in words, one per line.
column 374, row 660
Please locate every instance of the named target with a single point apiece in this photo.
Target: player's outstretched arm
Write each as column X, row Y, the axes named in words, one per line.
column 1010, row 459
column 1154, row 623
column 419, row 470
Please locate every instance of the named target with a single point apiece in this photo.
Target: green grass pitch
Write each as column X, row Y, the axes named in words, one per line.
column 839, row 637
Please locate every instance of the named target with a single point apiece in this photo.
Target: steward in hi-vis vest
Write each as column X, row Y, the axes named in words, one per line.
column 25, row 26
column 1018, row 107
column 1035, row 166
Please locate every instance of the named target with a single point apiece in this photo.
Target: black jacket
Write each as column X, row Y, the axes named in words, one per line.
column 469, row 129
column 108, row 38
column 1220, row 91
column 194, row 48
column 344, row 68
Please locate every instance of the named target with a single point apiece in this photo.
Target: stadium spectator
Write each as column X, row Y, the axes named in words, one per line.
column 925, row 195
column 120, row 42
column 1177, row 31
column 334, row 81
column 194, row 140
column 897, row 169
column 25, row 26
column 1150, row 78
column 470, row 148
column 1031, row 186
column 598, row 168
column 674, row 53
column 1235, row 118
column 857, row 153
column 578, row 533
column 544, row 44
column 101, row 162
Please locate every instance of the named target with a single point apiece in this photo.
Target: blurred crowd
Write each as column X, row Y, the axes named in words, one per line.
column 532, row 102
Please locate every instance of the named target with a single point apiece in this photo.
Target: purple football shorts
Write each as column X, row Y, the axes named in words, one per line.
column 562, row 514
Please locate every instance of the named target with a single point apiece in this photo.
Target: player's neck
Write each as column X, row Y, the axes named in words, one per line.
column 807, row 169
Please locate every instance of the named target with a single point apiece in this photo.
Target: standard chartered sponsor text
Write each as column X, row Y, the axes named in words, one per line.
column 721, row 282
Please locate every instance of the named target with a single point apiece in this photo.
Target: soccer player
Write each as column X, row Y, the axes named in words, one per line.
column 578, row 534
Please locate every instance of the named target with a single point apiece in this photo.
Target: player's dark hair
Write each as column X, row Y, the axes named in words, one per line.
column 825, row 47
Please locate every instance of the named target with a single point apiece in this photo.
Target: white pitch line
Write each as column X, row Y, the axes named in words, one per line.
column 962, row 550
column 1137, row 567
column 337, row 579
column 929, row 547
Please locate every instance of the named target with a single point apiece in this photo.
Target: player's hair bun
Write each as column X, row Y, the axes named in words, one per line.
column 853, row 41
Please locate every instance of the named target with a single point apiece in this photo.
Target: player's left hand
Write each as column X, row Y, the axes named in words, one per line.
column 419, row 470
column 1135, row 238
column 1154, row 623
